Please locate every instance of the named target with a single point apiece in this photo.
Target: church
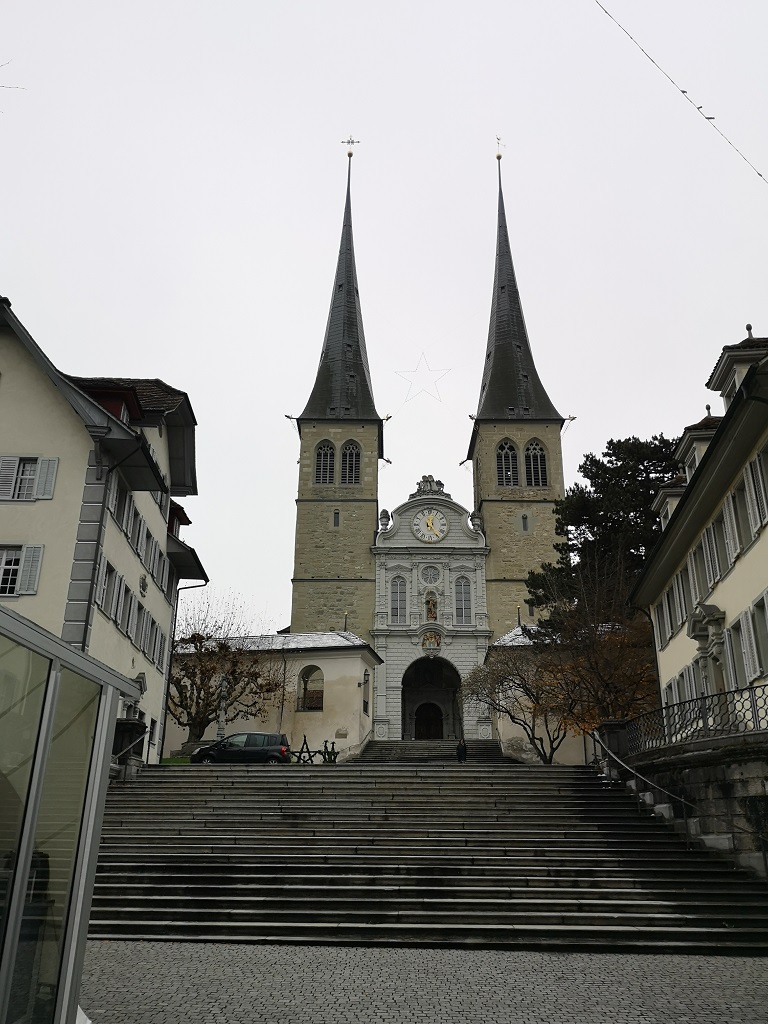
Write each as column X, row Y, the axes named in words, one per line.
column 428, row 585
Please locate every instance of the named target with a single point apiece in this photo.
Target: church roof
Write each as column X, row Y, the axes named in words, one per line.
column 511, row 389
column 343, row 384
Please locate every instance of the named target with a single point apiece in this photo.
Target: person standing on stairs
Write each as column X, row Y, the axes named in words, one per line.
column 461, row 751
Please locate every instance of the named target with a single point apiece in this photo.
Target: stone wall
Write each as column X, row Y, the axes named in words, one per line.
column 726, row 778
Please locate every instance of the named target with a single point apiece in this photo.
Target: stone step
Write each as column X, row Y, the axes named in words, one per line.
column 507, row 856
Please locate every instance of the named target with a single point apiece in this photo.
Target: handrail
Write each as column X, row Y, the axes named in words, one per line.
column 139, row 739
column 762, row 839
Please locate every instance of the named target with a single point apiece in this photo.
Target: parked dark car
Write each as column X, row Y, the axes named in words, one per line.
column 245, row 748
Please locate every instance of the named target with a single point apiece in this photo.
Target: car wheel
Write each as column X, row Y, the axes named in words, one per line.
column 207, row 759
column 272, row 760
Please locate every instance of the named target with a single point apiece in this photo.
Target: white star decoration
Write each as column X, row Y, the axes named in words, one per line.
column 422, row 380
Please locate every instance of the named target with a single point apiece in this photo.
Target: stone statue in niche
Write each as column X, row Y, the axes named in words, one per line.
column 431, row 607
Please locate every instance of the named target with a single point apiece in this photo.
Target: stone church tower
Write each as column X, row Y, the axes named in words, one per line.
column 515, row 450
column 341, row 442
column 431, row 585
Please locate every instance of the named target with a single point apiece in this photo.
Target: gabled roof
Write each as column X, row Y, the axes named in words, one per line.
column 511, row 388
column 304, row 642
column 342, row 388
column 750, row 350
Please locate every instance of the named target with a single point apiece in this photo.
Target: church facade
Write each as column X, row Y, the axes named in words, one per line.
column 430, row 585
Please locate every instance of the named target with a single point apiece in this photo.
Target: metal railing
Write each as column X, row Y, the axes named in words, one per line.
column 722, row 714
column 686, row 808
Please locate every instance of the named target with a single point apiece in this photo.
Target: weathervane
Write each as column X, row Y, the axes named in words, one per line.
column 499, row 145
column 350, row 142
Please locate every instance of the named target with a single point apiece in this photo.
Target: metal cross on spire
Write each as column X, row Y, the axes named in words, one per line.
column 350, row 142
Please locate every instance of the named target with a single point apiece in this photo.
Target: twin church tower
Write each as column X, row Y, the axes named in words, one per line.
column 431, row 585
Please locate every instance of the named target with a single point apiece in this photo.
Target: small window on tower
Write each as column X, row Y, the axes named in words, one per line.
column 525, row 522
column 336, row 517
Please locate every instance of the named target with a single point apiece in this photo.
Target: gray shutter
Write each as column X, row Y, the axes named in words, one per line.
column 133, row 614
column 101, row 581
column 141, row 538
column 694, row 580
column 130, row 512
column 112, row 492
column 29, row 573
column 730, row 663
column 679, row 594
column 732, row 545
column 752, row 509
column 757, row 475
column 748, row 647
column 9, row 466
column 46, row 477
column 161, row 651
column 119, row 599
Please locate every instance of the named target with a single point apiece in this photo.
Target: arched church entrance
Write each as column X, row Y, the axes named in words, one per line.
column 428, row 722
column 430, row 693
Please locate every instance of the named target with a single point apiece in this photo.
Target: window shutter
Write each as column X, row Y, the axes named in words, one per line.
column 141, row 539
column 133, row 615
column 112, row 493
column 130, row 511
column 119, row 599
column 732, row 545
column 695, row 592
column 29, row 572
column 101, row 581
column 752, row 509
column 757, row 476
column 748, row 647
column 9, row 466
column 679, row 592
column 161, row 652
column 689, row 683
column 730, row 664
column 46, row 477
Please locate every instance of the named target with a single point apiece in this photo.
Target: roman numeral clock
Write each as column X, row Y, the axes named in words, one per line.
column 429, row 525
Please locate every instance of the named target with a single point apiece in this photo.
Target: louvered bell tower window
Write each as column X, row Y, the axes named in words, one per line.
column 535, row 465
column 324, row 463
column 506, row 465
column 350, row 463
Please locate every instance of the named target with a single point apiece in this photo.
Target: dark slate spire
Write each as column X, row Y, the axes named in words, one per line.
column 511, row 388
column 343, row 384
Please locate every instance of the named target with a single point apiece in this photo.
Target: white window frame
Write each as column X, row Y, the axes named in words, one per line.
column 43, row 480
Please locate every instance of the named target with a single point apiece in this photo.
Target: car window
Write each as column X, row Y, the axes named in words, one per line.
column 256, row 739
column 238, row 740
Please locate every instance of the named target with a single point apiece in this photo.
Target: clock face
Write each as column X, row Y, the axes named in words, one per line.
column 429, row 525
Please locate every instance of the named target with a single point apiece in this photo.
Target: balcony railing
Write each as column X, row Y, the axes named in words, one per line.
column 722, row 714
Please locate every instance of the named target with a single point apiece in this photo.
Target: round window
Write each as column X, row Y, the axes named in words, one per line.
column 430, row 574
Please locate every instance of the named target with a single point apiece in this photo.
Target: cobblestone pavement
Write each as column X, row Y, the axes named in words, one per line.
column 200, row 983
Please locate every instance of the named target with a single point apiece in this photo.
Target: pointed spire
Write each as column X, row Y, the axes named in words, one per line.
column 511, row 389
column 343, row 384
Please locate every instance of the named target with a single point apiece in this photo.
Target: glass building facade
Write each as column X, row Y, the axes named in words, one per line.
column 57, row 718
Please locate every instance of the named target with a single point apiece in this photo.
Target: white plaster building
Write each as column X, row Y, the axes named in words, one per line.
column 706, row 581
column 89, row 533
column 431, row 618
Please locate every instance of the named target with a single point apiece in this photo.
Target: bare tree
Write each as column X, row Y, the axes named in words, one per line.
column 218, row 669
column 514, row 683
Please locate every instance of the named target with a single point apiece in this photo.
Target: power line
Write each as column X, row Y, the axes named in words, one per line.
column 710, row 120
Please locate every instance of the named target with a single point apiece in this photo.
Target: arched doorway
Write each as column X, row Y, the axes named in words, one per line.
column 430, row 698
column 428, row 722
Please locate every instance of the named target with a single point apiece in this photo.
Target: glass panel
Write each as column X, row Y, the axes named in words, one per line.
column 36, row 970
column 23, row 678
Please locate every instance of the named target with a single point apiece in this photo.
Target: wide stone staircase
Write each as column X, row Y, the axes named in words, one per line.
column 433, row 751
column 506, row 856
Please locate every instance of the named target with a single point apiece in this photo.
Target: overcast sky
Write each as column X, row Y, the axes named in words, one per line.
column 172, row 185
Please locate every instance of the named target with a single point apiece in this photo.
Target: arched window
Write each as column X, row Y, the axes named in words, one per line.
column 535, row 465
column 506, row 465
column 463, row 593
column 324, row 460
column 350, row 463
column 397, row 600
column 310, row 696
